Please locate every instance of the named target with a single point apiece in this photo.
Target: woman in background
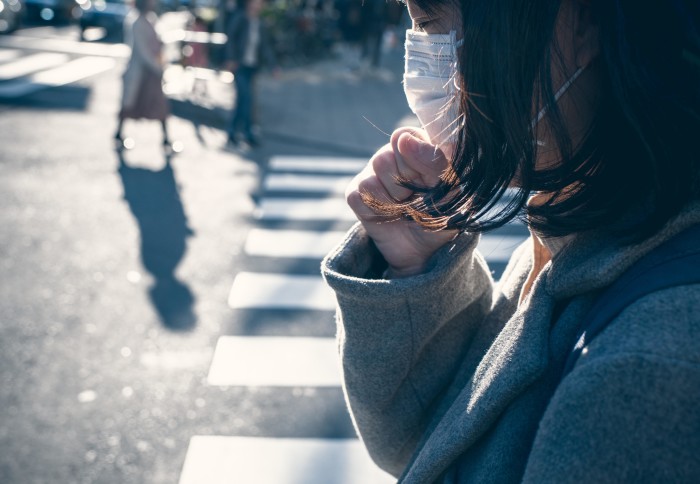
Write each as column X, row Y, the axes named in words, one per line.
column 142, row 96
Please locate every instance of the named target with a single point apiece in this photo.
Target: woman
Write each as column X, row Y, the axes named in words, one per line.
column 142, row 96
column 588, row 110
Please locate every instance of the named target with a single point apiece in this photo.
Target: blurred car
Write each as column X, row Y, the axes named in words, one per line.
column 60, row 11
column 11, row 12
column 174, row 5
column 107, row 14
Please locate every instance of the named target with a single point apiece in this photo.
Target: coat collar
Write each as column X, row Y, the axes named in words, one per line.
column 595, row 260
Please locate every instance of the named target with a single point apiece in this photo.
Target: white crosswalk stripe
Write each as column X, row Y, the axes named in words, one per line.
column 338, row 166
column 65, row 46
column 31, row 63
column 8, row 54
column 275, row 361
column 249, row 460
column 282, row 291
column 291, row 243
column 293, row 361
column 305, row 209
column 290, row 182
column 31, row 73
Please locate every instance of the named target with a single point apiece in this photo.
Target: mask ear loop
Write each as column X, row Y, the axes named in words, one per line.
column 557, row 95
column 458, row 122
column 560, row 92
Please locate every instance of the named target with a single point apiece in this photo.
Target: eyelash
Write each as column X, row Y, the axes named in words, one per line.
column 423, row 24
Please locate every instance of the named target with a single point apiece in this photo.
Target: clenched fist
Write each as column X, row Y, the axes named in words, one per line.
column 405, row 245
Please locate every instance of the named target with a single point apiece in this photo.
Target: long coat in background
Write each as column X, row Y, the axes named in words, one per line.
column 143, row 96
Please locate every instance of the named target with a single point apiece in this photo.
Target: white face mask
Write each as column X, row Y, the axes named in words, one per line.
column 430, row 85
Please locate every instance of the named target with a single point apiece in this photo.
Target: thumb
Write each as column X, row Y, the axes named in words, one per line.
column 412, row 145
column 422, row 157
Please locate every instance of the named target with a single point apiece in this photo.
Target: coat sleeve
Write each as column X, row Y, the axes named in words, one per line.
column 401, row 340
column 141, row 48
column 233, row 49
column 628, row 412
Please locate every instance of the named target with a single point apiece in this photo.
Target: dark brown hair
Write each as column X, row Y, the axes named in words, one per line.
column 640, row 156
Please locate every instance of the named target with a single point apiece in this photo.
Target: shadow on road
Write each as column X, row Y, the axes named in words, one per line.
column 63, row 98
column 155, row 202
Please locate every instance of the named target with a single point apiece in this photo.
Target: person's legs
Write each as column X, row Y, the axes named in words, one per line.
column 240, row 112
column 250, row 114
column 244, row 100
column 120, row 143
column 166, row 138
column 120, row 126
column 233, row 124
column 171, row 147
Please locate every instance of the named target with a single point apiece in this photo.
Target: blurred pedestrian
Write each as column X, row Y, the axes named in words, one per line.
column 142, row 95
column 247, row 48
column 374, row 14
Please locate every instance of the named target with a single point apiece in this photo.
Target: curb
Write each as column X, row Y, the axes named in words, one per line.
column 217, row 117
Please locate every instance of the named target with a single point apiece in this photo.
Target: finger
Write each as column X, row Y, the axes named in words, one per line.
column 385, row 167
column 354, row 185
column 418, row 157
column 391, row 168
column 365, row 183
column 417, row 132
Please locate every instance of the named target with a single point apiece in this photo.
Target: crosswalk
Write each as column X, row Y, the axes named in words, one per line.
column 298, row 195
column 63, row 45
column 24, row 72
column 226, row 460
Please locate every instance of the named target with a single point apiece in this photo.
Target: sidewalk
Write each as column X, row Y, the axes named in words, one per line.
column 332, row 104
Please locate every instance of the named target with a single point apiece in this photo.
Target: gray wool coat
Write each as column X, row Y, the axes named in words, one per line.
column 448, row 379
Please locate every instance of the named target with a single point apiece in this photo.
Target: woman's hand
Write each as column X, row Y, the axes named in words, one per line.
column 405, row 245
